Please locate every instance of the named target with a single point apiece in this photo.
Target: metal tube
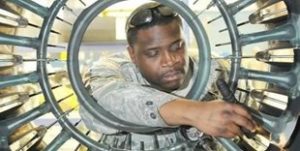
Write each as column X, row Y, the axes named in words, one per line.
column 283, row 32
column 285, row 79
column 58, row 141
column 236, row 46
column 18, row 41
column 32, row 6
column 44, row 82
column 7, row 81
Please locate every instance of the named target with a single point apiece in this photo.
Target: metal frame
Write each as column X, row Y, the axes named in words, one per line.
column 88, row 102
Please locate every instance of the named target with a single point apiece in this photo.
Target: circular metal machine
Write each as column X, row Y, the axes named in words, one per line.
column 279, row 126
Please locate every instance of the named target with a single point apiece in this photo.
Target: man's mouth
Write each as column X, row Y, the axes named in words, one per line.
column 172, row 75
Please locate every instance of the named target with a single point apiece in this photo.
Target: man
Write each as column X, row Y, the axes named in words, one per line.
column 149, row 90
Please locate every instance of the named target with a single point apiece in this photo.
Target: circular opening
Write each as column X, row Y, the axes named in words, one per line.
column 80, row 28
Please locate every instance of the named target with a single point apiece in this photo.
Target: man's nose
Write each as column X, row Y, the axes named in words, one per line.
column 168, row 59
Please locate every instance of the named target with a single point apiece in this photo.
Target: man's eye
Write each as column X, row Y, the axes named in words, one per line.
column 151, row 53
column 176, row 46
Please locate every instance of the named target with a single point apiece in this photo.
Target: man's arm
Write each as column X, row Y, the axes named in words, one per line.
column 216, row 118
column 133, row 103
column 124, row 97
column 118, row 89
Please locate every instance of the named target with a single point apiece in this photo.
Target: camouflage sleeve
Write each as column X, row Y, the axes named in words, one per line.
column 127, row 100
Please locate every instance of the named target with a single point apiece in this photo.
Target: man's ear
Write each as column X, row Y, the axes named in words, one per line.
column 131, row 53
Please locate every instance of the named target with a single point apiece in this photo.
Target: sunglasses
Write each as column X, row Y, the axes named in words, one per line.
column 146, row 16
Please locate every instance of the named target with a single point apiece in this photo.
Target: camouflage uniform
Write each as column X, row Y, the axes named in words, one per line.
column 119, row 87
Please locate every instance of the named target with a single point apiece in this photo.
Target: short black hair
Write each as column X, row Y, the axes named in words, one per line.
column 157, row 19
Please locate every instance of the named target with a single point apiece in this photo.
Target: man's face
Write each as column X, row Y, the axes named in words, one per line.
column 160, row 55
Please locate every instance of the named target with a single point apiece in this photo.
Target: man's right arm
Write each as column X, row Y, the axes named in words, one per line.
column 122, row 94
column 216, row 118
column 130, row 101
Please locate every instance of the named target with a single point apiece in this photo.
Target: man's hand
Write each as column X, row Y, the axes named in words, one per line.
column 216, row 118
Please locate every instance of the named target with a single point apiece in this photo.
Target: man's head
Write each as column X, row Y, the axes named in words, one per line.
column 156, row 45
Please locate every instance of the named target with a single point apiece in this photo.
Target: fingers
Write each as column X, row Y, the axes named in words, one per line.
column 224, row 119
column 227, row 133
column 234, row 130
column 241, row 110
column 243, row 122
column 242, row 118
column 228, row 130
column 233, row 122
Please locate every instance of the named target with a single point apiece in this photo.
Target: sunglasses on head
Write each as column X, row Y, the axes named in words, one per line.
column 146, row 16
